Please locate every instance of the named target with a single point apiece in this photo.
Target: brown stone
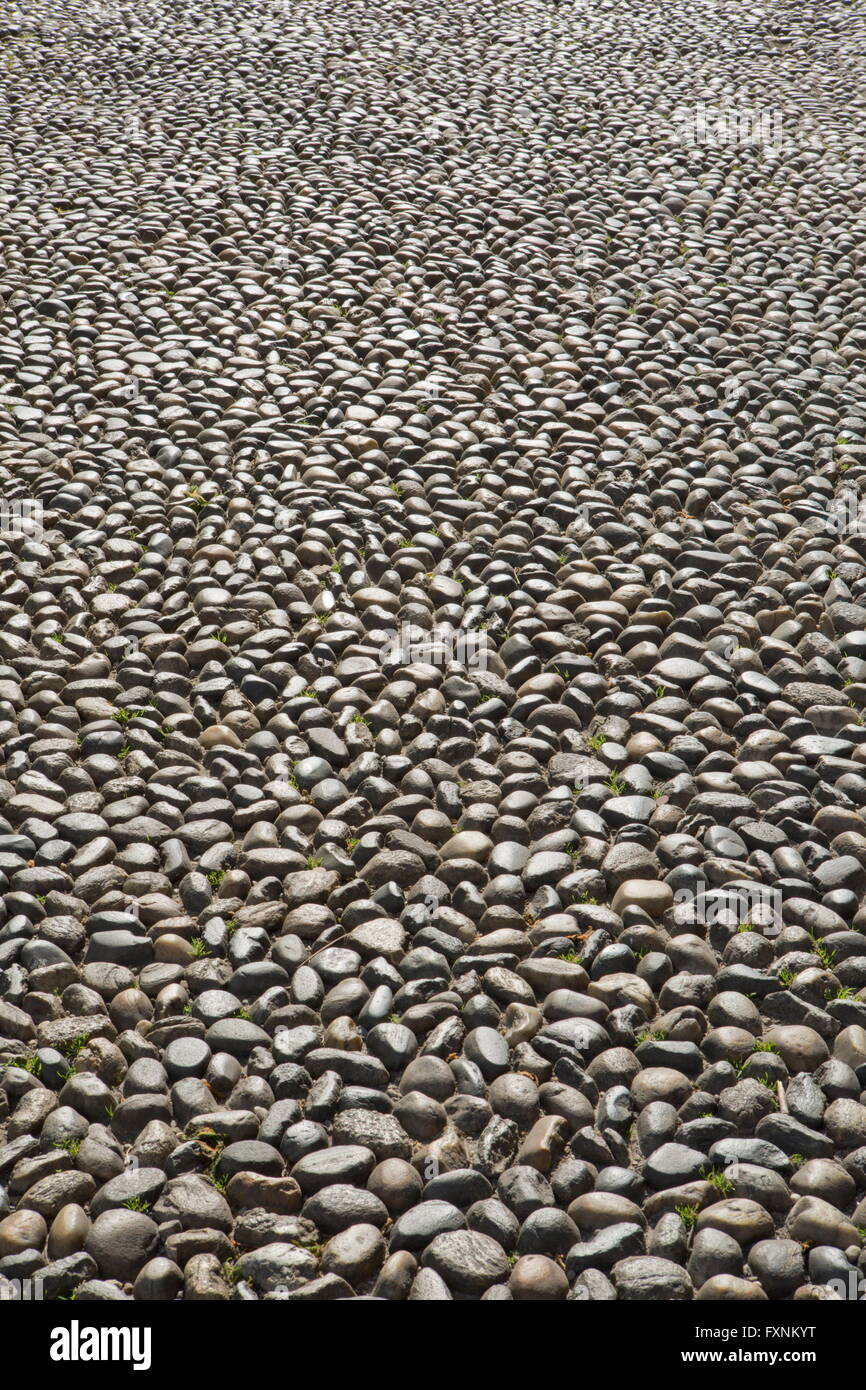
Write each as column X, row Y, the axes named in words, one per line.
column 536, row 1278
column 23, row 1230
column 203, row 1281
column 68, row 1231
column 280, row 1195
column 216, row 734
column 727, row 1288
column 543, row 1145
column 397, row 1185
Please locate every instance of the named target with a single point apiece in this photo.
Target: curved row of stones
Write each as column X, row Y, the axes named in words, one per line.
column 434, row 765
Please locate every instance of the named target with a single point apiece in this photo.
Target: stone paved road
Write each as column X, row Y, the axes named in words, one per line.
column 432, row 649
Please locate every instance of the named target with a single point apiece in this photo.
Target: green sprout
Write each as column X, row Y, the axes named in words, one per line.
column 771, row 1087
column 720, row 1181
column 71, row 1049
column 825, row 956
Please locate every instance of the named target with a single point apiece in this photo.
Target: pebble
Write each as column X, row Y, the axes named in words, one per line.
column 432, row 674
